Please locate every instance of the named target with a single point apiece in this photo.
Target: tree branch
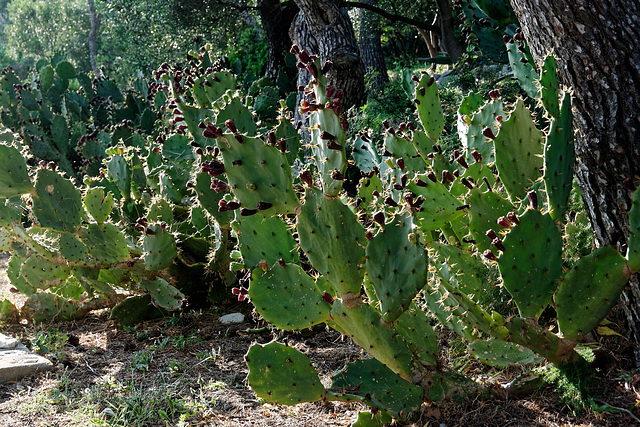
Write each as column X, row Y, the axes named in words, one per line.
column 391, row 16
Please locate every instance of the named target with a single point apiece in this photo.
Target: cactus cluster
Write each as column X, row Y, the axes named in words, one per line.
column 151, row 202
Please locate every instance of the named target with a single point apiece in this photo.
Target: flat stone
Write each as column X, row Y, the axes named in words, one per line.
column 16, row 361
column 229, row 319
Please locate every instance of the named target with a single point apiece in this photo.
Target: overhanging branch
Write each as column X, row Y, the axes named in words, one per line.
column 391, row 16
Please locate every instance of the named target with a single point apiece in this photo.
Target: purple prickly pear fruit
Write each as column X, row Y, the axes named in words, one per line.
column 311, row 67
column 369, row 235
column 209, row 149
column 282, row 145
column 199, row 151
column 337, row 175
column 504, row 222
column 218, row 185
column 332, row 145
column 329, row 91
column 462, row 162
column 446, row 176
column 304, row 56
column 263, row 265
column 533, row 199
column 379, row 218
column 326, row 135
column 202, row 125
column 295, row 50
column 327, row 67
column 488, row 254
column 389, row 201
column 488, row 133
column 163, row 225
column 385, row 124
column 306, row 177
column 376, row 193
column 190, row 184
column 505, row 39
column 248, row 212
column 282, row 262
column 224, row 206
column 271, row 138
column 149, row 231
column 142, row 221
column 494, row 94
column 327, row 297
column 339, row 94
column 139, row 227
column 498, row 244
column 403, row 179
column 421, row 183
column 231, row 126
column 513, row 218
column 432, row 176
column 397, row 186
column 400, row 163
column 344, row 123
column 499, row 119
column 422, row 91
column 466, row 183
column 415, row 78
column 263, row 206
column 456, row 173
column 431, row 81
column 491, row 234
column 213, row 167
column 476, row 156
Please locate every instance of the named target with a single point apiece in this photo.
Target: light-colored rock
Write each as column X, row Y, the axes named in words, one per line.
column 232, row 318
column 16, row 361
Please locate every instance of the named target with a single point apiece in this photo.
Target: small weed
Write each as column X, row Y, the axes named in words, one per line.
column 50, row 343
column 142, row 360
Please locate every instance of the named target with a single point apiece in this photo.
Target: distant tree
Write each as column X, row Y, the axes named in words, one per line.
column 44, row 28
column 371, row 47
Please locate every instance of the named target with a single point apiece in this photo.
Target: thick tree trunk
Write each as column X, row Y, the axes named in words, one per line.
column 93, row 35
column 330, row 27
column 276, row 19
column 597, row 44
column 454, row 47
column 371, row 48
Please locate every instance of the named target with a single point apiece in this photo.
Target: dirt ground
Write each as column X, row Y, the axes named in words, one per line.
column 198, row 364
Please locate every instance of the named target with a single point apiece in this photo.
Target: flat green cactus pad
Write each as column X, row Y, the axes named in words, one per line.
column 98, row 203
column 473, row 118
column 333, row 240
column 429, row 107
column 259, row 175
column 439, row 207
column 559, row 159
column 531, row 263
column 47, row 307
column 460, row 268
column 163, row 294
column 549, row 83
column 265, row 238
column 368, row 419
column 633, row 253
column 41, row 273
column 495, row 352
column 14, row 179
column 414, row 327
column 281, row 374
column 485, row 208
column 287, row 297
column 519, row 152
column 589, row 290
column 379, row 386
column 159, row 248
column 397, row 267
column 72, row 248
column 106, row 243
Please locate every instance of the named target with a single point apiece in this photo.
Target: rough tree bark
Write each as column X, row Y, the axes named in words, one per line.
column 329, row 26
column 371, row 48
column 597, row 44
column 276, row 18
column 93, row 35
column 454, row 47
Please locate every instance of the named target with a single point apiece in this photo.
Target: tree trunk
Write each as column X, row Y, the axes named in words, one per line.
column 325, row 29
column 93, row 35
column 454, row 47
column 275, row 17
column 371, row 48
column 597, row 44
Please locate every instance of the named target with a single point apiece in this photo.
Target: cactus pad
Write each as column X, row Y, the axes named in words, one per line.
column 559, row 159
column 159, row 248
column 287, row 297
column 57, row 203
column 281, row 374
column 439, row 207
column 519, row 152
column 523, row 70
column 106, row 243
column 72, row 248
column 367, row 329
column 397, row 267
column 531, row 263
column 414, row 327
column 259, row 175
column 14, row 179
column 460, row 269
column 473, row 118
column 589, row 290
column 379, row 386
column 163, row 294
column 429, row 107
column 265, row 238
column 333, row 240
column 41, row 273
column 98, row 203
column 485, row 209
column 494, row 352
column 633, row 253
